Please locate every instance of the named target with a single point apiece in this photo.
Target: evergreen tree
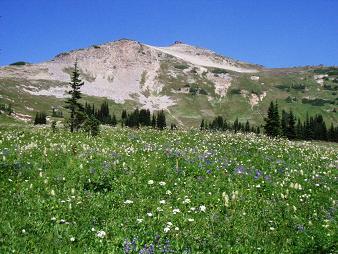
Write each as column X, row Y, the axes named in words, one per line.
column 218, row 123
column 161, row 121
column 272, row 122
column 153, row 121
column 236, row 125
column 202, row 125
column 40, row 118
column 92, row 125
column 123, row 117
column 103, row 114
column 299, row 130
column 276, row 120
column 307, row 131
column 247, row 126
column 53, row 126
column 75, row 108
column 113, row 121
column 145, row 118
column 331, row 133
column 284, row 123
column 291, row 129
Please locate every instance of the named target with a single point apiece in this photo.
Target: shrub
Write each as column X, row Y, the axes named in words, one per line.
column 181, row 66
column 218, row 71
column 19, row 63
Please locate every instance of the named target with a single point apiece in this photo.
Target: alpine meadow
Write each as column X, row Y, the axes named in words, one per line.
column 126, row 147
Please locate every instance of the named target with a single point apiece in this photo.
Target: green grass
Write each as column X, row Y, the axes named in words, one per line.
column 187, row 191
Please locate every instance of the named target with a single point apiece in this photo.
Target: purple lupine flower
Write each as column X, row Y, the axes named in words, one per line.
column 258, row 174
column 166, row 247
column 267, row 178
column 240, row 170
column 127, row 246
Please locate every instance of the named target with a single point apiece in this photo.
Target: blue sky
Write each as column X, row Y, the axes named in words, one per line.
column 272, row 33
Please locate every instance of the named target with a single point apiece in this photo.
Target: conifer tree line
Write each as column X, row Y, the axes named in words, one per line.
column 221, row 124
column 139, row 118
column 102, row 114
column 40, row 118
column 291, row 127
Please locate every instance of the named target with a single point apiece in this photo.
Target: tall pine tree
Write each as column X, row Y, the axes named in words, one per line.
column 76, row 110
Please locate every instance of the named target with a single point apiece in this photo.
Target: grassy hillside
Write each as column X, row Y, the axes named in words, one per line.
column 298, row 89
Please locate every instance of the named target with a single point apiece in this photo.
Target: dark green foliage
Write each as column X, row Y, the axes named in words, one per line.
column 161, row 121
column 102, row 114
column 7, row 109
column 92, row 125
column 331, row 71
column 235, row 91
column 138, row 118
column 316, row 102
column 193, row 90
column 153, row 121
column 330, row 87
column 40, row 118
column 272, row 122
column 57, row 113
column 291, row 128
column 218, row 71
column 173, row 126
column 247, row 126
column 313, row 128
column 284, row 123
column 202, row 127
column 20, row 63
column 220, row 124
column 53, row 126
column 202, row 91
column 288, row 87
column 144, row 117
column 123, row 117
column 181, row 66
column 76, row 109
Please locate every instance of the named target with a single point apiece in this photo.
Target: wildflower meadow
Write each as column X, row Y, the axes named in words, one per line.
column 149, row 191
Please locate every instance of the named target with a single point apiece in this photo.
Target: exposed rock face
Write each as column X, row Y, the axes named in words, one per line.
column 128, row 70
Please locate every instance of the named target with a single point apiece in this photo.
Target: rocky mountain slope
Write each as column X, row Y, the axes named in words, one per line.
column 190, row 83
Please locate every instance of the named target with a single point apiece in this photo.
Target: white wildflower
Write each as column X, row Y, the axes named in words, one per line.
column 101, row 234
column 176, row 210
column 202, row 208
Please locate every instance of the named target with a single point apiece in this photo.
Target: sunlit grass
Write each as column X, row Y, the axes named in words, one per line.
column 129, row 191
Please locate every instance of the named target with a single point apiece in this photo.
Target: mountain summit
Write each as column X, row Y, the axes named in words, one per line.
column 190, row 82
